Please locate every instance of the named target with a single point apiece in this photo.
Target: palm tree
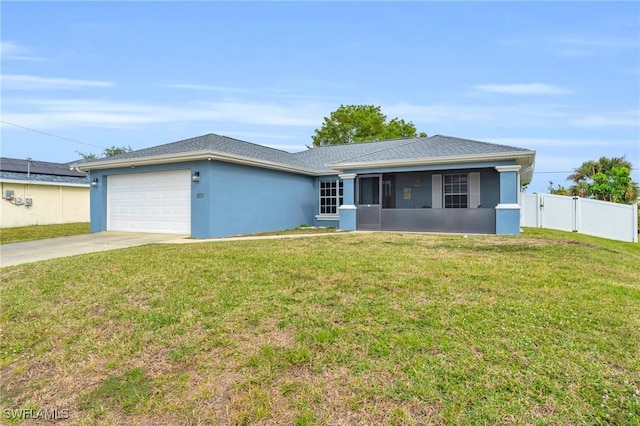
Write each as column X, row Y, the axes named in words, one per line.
column 588, row 169
column 584, row 175
column 580, row 189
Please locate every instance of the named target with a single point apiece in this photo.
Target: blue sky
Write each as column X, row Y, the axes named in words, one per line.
column 560, row 78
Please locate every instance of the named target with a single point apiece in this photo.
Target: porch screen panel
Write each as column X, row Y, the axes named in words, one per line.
column 368, row 216
column 436, row 191
column 369, row 190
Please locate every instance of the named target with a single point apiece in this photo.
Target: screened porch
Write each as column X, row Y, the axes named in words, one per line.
column 456, row 201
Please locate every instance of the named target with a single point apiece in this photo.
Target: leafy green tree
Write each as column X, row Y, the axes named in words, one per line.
column 560, row 190
column 613, row 186
column 108, row 152
column 588, row 169
column 607, row 179
column 116, row 150
column 361, row 123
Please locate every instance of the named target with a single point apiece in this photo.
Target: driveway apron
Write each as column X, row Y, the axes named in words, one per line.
column 32, row 251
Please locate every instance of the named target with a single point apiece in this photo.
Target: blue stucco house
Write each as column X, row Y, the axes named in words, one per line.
column 214, row 186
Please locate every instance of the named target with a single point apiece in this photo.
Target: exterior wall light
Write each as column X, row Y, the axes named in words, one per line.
column 195, row 177
column 94, row 182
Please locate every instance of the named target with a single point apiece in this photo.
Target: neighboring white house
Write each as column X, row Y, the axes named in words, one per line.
column 41, row 193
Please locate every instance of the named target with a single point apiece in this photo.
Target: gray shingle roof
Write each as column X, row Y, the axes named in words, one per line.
column 217, row 143
column 432, row 147
column 321, row 159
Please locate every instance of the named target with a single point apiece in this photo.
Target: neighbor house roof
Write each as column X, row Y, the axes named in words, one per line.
column 42, row 172
column 321, row 160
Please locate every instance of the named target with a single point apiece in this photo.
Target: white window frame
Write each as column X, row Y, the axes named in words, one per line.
column 338, row 197
column 454, row 189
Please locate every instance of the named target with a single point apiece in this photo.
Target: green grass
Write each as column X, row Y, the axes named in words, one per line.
column 127, row 392
column 40, row 232
column 375, row 328
column 302, row 229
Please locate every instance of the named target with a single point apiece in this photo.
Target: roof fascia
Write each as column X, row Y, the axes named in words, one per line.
column 191, row 156
column 45, row 183
column 432, row 161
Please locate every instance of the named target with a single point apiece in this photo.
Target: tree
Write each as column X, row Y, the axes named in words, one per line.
column 588, row 169
column 607, row 179
column 560, row 190
column 613, row 186
column 108, row 152
column 361, row 123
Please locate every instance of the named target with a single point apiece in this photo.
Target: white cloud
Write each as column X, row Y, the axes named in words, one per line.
column 576, row 45
column 436, row 113
column 257, row 135
column 537, row 143
column 31, row 82
column 603, row 42
column 621, row 119
column 511, row 115
column 99, row 113
column 10, row 50
column 208, row 88
column 523, row 89
column 263, row 113
column 548, row 163
column 590, row 46
column 266, row 92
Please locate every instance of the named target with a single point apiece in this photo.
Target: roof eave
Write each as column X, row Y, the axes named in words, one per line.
column 191, row 156
column 525, row 158
column 43, row 182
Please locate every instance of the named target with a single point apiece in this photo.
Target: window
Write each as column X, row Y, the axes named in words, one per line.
column 456, row 188
column 330, row 196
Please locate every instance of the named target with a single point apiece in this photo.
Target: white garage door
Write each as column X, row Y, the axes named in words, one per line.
column 150, row 202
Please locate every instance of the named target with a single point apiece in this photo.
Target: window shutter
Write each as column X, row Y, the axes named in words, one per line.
column 474, row 190
column 436, row 191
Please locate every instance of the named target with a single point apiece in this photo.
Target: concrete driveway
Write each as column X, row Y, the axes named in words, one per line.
column 32, row 251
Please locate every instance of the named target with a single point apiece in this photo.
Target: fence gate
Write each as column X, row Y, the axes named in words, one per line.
column 592, row 217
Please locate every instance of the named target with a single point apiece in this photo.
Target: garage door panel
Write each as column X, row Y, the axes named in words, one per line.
column 150, row 202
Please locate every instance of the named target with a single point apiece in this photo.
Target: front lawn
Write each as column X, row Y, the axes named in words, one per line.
column 371, row 328
column 41, row 232
column 300, row 230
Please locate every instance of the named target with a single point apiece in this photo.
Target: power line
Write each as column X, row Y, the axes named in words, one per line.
column 102, row 147
column 52, row 135
column 569, row 171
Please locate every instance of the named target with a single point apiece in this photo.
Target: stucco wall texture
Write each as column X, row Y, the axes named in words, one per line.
column 52, row 204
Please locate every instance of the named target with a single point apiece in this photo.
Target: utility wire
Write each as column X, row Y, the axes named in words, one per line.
column 52, row 135
column 102, row 147
column 570, row 171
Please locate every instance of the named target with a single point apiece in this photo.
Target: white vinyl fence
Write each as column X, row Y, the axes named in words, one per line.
column 591, row 217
